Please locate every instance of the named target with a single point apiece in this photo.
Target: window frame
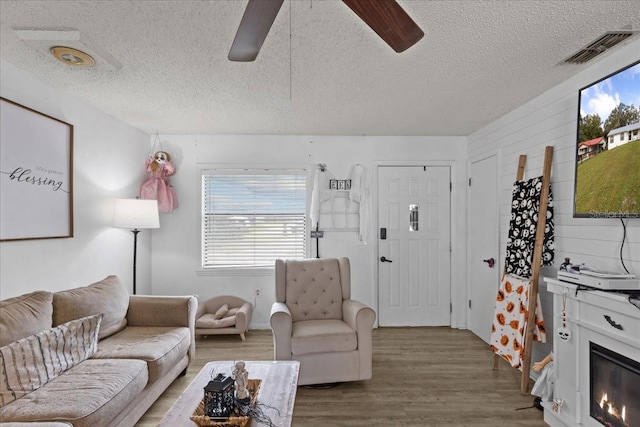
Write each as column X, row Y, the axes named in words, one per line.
column 207, row 169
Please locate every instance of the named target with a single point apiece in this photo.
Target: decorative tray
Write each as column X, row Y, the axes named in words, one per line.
column 198, row 417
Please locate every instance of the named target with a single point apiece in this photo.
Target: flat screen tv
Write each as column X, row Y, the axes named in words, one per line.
column 607, row 178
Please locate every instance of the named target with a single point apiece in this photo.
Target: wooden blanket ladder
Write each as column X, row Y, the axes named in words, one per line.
column 535, row 264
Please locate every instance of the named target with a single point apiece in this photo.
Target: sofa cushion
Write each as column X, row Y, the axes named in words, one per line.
column 162, row 347
column 209, row 321
column 93, row 392
column 322, row 336
column 36, row 424
column 28, row 364
column 25, row 315
column 108, row 297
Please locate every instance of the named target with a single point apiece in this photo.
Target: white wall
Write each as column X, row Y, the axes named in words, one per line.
column 550, row 119
column 176, row 245
column 108, row 163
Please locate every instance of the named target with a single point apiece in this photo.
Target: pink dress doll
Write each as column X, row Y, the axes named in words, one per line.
column 157, row 187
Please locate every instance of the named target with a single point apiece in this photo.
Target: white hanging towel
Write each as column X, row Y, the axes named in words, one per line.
column 319, row 194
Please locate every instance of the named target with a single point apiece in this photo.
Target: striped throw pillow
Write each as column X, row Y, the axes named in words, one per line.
column 31, row 362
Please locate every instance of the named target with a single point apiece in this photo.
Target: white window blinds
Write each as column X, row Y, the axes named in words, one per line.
column 252, row 217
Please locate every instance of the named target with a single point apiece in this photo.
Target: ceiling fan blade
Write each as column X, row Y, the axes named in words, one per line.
column 389, row 21
column 253, row 29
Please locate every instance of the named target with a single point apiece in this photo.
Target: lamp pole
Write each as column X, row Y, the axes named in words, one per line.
column 135, row 232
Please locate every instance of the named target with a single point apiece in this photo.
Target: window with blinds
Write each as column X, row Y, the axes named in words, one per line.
column 252, row 217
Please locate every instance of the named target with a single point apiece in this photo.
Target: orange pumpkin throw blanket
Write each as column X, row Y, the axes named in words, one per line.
column 509, row 322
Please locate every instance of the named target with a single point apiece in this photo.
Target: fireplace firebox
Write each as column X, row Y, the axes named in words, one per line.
column 615, row 388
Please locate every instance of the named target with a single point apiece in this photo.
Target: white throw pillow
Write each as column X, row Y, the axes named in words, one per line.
column 31, row 362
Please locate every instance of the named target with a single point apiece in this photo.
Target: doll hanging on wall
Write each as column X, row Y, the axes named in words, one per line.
column 157, row 187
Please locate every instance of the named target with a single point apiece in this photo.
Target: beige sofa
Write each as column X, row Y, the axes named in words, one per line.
column 90, row 356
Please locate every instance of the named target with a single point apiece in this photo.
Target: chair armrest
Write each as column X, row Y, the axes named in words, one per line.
column 243, row 317
column 358, row 316
column 201, row 311
column 361, row 318
column 148, row 310
column 281, row 326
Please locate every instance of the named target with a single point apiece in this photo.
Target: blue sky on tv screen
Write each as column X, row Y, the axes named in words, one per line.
column 602, row 97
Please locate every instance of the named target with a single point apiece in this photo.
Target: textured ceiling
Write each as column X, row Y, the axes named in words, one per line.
column 162, row 65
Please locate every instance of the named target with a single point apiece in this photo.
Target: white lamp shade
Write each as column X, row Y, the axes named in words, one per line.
column 136, row 213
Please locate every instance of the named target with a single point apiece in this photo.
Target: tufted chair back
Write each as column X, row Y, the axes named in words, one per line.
column 313, row 289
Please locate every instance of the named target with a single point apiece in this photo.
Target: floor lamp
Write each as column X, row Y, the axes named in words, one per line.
column 136, row 214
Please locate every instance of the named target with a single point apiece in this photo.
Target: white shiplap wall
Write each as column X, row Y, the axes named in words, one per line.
column 550, row 119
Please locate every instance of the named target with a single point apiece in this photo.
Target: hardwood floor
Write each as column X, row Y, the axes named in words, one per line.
column 421, row 377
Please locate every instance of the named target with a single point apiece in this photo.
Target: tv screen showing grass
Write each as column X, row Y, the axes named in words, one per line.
column 607, row 181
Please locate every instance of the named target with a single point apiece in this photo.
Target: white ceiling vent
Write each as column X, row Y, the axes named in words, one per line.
column 605, row 42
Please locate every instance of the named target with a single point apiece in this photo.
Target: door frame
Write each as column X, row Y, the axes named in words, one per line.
column 499, row 261
column 452, row 228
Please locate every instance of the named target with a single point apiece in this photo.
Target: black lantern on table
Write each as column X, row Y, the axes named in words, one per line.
column 218, row 397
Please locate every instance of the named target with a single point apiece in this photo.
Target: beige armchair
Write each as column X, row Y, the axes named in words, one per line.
column 315, row 321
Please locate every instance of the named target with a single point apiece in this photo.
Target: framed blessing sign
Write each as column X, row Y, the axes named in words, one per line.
column 36, row 174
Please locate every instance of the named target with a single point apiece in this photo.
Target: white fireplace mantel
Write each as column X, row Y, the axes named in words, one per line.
column 605, row 318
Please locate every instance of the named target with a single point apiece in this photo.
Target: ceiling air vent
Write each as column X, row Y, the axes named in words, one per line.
column 605, row 42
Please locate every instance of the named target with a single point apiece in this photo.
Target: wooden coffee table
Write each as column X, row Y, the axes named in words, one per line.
column 277, row 390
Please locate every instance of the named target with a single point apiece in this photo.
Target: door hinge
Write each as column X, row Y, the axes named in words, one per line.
column 450, row 307
column 450, row 247
column 469, row 304
column 450, row 187
column 469, row 182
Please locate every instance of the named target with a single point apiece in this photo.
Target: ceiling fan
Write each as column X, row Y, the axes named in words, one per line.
column 385, row 17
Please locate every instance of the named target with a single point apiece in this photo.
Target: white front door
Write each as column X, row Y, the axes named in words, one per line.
column 414, row 219
column 484, row 275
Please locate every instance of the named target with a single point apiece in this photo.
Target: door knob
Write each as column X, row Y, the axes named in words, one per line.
column 383, row 259
column 491, row 262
